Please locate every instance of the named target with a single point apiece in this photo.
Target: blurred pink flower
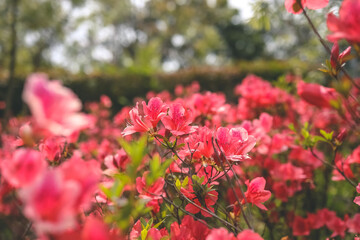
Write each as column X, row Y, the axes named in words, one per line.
column 49, row 202
column 293, row 7
column 55, row 108
column 316, row 94
column 248, row 235
column 24, row 166
column 346, row 26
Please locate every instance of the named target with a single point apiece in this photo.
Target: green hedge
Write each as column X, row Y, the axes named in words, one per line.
column 123, row 87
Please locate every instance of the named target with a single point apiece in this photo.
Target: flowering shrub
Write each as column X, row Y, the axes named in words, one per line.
column 279, row 164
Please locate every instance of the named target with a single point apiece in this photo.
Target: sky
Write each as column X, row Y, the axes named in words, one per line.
column 244, row 6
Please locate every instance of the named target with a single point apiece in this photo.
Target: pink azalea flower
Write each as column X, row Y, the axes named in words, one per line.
column 49, row 202
column 23, row 167
column 293, row 7
column 189, row 229
column 94, row 228
column 139, row 122
column 354, row 224
column 52, row 148
column 198, row 144
column 256, row 194
column 235, row 143
column 178, row 120
column 346, row 26
column 86, row 174
column 54, row 107
column 105, row 101
column 357, row 199
column 155, row 110
column 153, row 194
column 338, row 226
column 220, row 234
column 248, row 234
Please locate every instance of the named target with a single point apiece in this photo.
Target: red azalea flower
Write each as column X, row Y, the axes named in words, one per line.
column 301, row 226
column 256, row 194
column 178, row 120
column 316, row 94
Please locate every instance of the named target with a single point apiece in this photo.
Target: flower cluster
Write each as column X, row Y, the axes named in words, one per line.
column 276, row 164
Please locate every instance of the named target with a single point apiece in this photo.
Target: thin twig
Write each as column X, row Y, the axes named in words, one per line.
column 232, row 187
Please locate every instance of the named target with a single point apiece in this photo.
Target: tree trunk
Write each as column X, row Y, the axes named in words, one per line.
column 12, row 65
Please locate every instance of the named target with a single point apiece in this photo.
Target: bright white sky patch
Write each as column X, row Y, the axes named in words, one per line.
column 244, row 6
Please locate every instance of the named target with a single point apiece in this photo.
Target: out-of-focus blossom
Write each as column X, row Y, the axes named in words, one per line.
column 23, row 167
column 357, row 199
column 86, row 174
column 300, row 226
column 50, row 202
column 346, row 26
column 354, row 224
column 105, row 101
column 55, row 108
column 95, row 229
column 292, row 6
column 153, row 194
column 220, row 234
column 248, row 235
column 316, row 94
column 52, row 148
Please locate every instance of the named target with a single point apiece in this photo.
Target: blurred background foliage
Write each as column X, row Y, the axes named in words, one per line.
column 153, row 43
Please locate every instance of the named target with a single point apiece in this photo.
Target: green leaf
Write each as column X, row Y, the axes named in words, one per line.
column 143, row 223
column 292, row 127
column 144, row 233
column 185, row 182
column 158, row 224
column 327, row 136
column 178, row 184
column 305, row 133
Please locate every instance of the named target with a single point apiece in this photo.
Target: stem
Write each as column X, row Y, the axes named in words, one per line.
column 27, row 229
column 232, row 186
column 206, row 210
column 333, row 167
column 188, row 213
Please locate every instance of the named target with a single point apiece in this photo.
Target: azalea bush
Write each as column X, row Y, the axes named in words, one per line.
column 281, row 163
